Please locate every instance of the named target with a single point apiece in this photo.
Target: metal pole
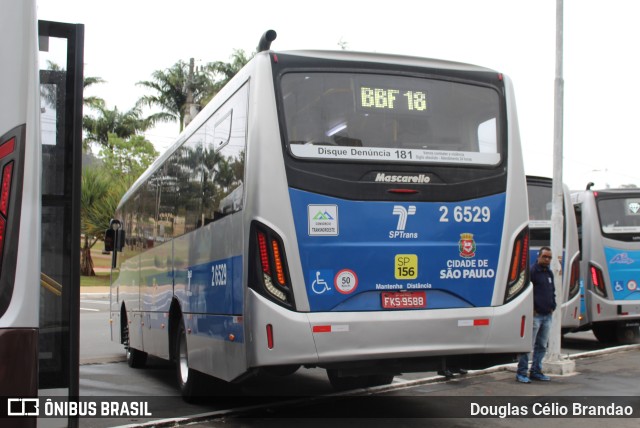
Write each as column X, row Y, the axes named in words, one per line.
column 553, row 352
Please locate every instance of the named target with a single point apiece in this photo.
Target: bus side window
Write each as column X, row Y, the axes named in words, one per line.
column 578, row 210
column 224, row 159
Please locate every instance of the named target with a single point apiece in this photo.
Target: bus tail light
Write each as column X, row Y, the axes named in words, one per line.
column 574, row 279
column 269, row 274
column 597, row 279
column 518, row 279
column 6, row 149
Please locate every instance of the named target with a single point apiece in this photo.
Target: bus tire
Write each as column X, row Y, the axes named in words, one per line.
column 605, row 332
column 628, row 335
column 188, row 378
column 344, row 383
column 135, row 358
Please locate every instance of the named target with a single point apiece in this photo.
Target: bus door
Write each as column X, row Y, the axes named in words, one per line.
column 61, row 89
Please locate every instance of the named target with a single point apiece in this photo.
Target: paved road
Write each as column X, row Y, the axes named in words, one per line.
column 95, row 337
column 99, row 377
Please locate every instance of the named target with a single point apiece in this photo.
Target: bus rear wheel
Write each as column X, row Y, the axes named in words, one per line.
column 605, row 332
column 188, row 378
column 613, row 332
column 628, row 334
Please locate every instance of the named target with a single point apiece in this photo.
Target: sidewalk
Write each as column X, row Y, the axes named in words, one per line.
column 606, row 378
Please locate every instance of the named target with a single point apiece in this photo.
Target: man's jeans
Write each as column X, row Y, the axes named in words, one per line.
column 541, row 329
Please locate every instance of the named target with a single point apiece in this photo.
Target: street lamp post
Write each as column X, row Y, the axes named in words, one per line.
column 554, row 362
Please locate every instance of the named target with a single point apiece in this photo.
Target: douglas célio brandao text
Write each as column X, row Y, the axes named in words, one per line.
column 552, row 409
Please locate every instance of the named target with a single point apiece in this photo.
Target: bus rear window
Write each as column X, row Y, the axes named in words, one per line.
column 368, row 117
column 620, row 216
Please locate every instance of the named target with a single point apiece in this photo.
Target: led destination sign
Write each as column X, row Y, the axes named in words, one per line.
column 394, row 99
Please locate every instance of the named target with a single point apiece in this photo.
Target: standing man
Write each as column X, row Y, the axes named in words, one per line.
column 544, row 303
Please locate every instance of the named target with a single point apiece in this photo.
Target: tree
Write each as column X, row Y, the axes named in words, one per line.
column 171, row 87
column 99, row 200
column 102, row 188
column 123, row 125
column 221, row 72
column 91, row 102
column 127, row 157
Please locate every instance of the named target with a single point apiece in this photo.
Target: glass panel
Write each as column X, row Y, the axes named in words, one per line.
column 365, row 117
column 54, row 316
column 224, row 166
column 620, row 215
column 540, row 203
column 53, row 340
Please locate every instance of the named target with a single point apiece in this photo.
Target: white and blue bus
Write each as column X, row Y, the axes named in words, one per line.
column 609, row 227
column 361, row 213
column 540, row 202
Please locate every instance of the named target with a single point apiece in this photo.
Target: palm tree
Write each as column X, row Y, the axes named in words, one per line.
column 99, row 200
column 171, row 87
column 123, row 125
column 222, row 72
column 91, row 102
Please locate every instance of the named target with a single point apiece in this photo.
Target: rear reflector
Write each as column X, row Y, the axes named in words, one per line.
column 269, row 336
column 473, row 323
column 333, row 328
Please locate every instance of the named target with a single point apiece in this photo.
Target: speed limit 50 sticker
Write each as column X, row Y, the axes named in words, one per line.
column 346, row 281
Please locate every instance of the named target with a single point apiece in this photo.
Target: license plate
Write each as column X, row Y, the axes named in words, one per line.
column 408, row 300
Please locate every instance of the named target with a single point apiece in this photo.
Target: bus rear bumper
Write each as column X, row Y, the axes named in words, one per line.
column 331, row 338
column 613, row 310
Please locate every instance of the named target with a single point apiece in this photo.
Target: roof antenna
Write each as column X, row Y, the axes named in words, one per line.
column 265, row 40
column 590, row 185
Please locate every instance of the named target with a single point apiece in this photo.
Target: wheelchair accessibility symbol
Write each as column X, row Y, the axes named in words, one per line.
column 319, row 285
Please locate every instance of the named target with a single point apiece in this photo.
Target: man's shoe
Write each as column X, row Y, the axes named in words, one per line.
column 522, row 378
column 539, row 376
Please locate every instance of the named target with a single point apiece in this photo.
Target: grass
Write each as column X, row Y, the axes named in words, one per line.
column 101, row 279
column 103, row 264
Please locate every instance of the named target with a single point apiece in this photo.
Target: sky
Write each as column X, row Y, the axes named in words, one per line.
column 126, row 41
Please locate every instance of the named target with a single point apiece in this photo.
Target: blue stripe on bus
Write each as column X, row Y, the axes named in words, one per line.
column 351, row 251
column 213, row 287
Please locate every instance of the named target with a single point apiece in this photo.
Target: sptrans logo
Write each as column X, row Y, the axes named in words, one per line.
column 403, row 214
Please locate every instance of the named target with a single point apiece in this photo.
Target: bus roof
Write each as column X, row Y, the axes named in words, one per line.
column 382, row 58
